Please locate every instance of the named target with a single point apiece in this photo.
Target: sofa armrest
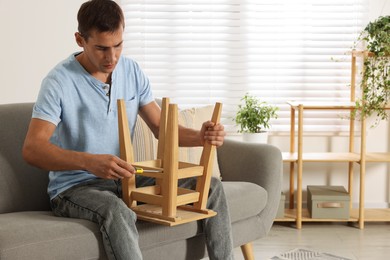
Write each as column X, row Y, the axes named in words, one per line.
column 257, row 163
column 261, row 164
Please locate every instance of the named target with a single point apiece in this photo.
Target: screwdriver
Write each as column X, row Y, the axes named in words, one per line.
column 141, row 170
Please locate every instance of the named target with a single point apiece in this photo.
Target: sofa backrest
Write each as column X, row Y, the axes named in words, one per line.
column 22, row 187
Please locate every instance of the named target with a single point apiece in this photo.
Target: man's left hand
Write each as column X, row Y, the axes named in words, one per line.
column 213, row 133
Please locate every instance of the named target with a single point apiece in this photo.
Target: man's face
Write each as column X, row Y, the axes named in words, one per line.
column 101, row 51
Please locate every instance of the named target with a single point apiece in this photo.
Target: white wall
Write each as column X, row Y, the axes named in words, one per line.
column 378, row 8
column 36, row 35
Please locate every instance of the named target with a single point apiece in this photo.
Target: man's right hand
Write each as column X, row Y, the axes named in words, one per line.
column 108, row 166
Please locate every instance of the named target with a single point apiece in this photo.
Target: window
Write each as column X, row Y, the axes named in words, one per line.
column 202, row 51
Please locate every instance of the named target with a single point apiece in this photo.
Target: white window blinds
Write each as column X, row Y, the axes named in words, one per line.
column 198, row 52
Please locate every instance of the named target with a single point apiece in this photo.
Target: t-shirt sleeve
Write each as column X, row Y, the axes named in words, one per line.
column 48, row 104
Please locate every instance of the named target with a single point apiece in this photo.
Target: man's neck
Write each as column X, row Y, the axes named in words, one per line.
column 103, row 77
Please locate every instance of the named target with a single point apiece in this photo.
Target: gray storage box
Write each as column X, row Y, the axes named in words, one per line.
column 280, row 213
column 328, row 202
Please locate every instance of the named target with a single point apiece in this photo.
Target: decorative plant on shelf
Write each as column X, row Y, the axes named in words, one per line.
column 375, row 81
column 254, row 115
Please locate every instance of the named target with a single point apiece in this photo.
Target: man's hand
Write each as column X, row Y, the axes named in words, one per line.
column 108, row 166
column 212, row 133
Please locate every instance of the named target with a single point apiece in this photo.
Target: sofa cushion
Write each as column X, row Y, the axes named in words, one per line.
column 41, row 235
column 25, row 235
column 245, row 199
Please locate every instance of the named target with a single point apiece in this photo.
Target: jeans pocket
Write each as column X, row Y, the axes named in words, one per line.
column 55, row 206
column 54, row 203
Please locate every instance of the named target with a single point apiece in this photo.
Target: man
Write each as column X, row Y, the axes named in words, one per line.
column 73, row 133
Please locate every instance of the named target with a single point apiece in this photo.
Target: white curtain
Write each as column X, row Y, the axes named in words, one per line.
column 198, row 52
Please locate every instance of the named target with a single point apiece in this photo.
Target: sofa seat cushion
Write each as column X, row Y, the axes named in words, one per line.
column 41, row 235
column 245, row 199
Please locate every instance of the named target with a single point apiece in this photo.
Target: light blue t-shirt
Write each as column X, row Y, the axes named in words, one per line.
column 85, row 114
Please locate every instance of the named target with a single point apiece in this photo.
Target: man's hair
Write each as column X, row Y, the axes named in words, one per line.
column 102, row 15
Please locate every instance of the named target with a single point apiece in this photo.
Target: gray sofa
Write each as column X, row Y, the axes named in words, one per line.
column 251, row 173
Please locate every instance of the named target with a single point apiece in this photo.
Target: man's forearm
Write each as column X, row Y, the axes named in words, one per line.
column 189, row 137
column 51, row 157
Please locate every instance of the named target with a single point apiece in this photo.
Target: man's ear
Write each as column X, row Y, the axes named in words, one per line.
column 79, row 39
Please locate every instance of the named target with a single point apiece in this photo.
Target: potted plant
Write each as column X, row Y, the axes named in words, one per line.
column 375, row 81
column 253, row 118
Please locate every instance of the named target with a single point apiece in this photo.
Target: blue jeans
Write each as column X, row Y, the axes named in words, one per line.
column 100, row 201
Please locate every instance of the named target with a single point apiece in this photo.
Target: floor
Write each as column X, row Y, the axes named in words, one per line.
column 341, row 239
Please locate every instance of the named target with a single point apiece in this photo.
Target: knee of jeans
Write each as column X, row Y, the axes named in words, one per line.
column 215, row 190
column 118, row 210
column 215, row 184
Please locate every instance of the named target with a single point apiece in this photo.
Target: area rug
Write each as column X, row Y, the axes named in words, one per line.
column 304, row 254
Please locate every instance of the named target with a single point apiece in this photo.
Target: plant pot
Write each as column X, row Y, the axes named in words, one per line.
column 261, row 137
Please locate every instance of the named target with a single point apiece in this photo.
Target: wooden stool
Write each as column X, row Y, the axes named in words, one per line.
column 165, row 203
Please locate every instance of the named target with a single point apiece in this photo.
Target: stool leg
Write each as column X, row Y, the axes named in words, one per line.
column 126, row 151
column 203, row 183
column 171, row 164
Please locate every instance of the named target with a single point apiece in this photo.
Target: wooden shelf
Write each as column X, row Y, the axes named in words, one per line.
column 322, row 105
column 371, row 215
column 310, row 105
column 378, row 157
column 289, row 157
column 291, row 213
column 335, row 157
column 297, row 156
column 322, row 157
column 330, row 157
column 376, row 215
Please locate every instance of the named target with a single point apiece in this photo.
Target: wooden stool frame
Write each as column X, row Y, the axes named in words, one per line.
column 165, row 203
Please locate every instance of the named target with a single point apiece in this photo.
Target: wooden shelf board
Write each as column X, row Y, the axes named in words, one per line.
column 330, row 157
column 322, row 157
column 374, row 215
column 361, row 53
column 378, row 157
column 290, row 216
column 322, row 105
column 335, row 157
column 370, row 215
column 289, row 157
